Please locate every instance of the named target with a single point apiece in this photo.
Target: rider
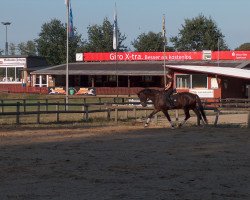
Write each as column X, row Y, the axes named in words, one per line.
column 169, row 88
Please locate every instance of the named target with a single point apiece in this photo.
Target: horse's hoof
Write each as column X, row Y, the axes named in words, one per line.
column 180, row 125
column 145, row 125
column 172, row 127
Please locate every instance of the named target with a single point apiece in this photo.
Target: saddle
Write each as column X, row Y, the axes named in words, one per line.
column 173, row 100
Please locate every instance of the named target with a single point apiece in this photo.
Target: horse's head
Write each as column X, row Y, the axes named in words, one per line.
column 143, row 98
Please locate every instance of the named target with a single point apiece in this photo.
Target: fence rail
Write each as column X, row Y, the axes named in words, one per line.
column 23, row 107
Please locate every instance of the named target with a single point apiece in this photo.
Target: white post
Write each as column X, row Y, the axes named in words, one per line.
column 67, row 57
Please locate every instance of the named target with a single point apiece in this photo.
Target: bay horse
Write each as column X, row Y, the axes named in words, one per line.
column 184, row 100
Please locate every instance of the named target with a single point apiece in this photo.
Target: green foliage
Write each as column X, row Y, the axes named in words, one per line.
column 243, row 47
column 149, row 42
column 28, row 48
column 52, row 43
column 199, row 33
column 12, row 49
column 100, row 38
column 23, row 48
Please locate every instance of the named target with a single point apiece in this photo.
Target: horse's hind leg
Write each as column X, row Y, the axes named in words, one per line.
column 149, row 117
column 169, row 119
column 199, row 118
column 196, row 111
column 187, row 116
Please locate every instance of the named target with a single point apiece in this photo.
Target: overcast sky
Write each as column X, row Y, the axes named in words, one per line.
column 134, row 17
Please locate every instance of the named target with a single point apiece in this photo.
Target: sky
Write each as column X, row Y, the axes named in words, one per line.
column 134, row 17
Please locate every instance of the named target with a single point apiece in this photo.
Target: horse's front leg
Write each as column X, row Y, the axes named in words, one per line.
column 169, row 119
column 150, row 116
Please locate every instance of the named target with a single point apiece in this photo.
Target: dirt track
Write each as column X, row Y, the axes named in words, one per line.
column 127, row 162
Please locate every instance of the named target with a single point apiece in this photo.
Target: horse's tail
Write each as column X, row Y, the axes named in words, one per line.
column 201, row 109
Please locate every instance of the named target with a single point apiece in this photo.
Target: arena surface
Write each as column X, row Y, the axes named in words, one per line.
column 125, row 162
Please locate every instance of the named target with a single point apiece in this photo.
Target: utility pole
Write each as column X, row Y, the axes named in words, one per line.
column 6, row 24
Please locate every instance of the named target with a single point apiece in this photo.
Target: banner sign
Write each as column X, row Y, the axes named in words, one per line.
column 142, row 56
column 169, row 56
column 12, row 61
column 203, row 93
column 231, row 55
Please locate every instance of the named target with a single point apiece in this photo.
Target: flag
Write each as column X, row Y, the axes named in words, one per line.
column 70, row 18
column 71, row 27
column 163, row 29
column 115, row 31
column 67, row 2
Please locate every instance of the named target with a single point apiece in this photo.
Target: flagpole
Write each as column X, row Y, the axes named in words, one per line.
column 115, row 45
column 164, row 50
column 116, row 62
column 67, row 56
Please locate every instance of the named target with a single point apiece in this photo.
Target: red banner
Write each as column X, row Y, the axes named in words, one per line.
column 231, row 55
column 169, row 56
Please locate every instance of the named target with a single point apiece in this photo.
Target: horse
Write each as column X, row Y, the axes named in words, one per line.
column 184, row 100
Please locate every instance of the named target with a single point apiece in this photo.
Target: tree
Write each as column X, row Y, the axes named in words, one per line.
column 243, row 47
column 199, row 33
column 12, row 49
column 52, row 43
column 23, row 48
column 100, row 38
column 28, row 48
column 149, row 42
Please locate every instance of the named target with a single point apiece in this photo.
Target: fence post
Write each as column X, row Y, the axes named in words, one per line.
column 65, row 106
column 24, row 105
column 126, row 114
column 86, row 112
column 100, row 101
column 57, row 112
column 18, row 112
column 216, row 117
column 248, row 120
column 108, row 112
column 156, row 119
column 47, row 106
column 134, row 112
column 83, row 111
column 2, row 107
column 116, row 115
column 38, row 112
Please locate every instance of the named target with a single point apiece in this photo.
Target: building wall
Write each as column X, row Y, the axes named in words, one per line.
column 233, row 88
column 228, row 87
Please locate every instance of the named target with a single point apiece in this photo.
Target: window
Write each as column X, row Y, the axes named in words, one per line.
column 41, row 80
column 199, row 81
column 112, row 78
column 183, row 81
column 10, row 74
column 148, row 79
column 19, row 74
column 2, row 74
column 99, row 79
column 192, row 81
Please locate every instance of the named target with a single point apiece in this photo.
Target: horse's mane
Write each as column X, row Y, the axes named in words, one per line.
column 149, row 91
